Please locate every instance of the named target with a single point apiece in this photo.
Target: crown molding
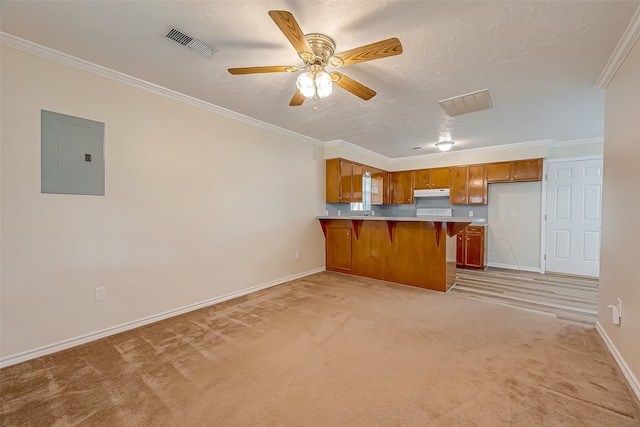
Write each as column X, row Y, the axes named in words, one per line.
column 98, row 70
column 341, row 143
column 628, row 39
column 594, row 140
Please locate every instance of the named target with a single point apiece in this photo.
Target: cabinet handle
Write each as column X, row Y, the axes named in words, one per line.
column 348, row 234
column 468, row 238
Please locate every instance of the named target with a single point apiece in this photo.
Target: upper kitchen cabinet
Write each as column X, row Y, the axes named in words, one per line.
column 339, row 180
column 527, row 170
column 517, row 170
column 356, row 182
column 468, row 185
column 332, row 177
column 499, row 172
column 379, row 193
column 401, row 186
column 477, row 185
column 426, row 179
column 459, row 182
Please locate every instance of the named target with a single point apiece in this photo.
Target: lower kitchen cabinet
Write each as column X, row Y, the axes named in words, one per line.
column 470, row 248
column 338, row 248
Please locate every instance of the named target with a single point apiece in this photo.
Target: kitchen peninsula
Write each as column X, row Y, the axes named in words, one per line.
column 408, row 250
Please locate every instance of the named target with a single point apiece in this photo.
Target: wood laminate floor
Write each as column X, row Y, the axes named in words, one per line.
column 564, row 297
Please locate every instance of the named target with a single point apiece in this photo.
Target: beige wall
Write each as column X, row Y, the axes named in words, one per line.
column 197, row 206
column 619, row 277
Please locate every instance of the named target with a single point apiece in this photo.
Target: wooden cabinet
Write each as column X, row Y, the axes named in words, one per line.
column 527, row 170
column 517, row 170
column 468, row 185
column 379, row 193
column 338, row 247
column 356, row 182
column 499, row 172
column 477, row 185
column 401, row 187
column 346, row 180
column 458, row 192
column 332, row 179
column 470, row 248
column 343, row 181
column 426, row 179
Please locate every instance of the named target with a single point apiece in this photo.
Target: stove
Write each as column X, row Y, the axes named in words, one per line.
column 422, row 212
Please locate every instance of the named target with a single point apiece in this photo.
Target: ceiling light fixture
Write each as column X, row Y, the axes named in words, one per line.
column 314, row 82
column 444, row 145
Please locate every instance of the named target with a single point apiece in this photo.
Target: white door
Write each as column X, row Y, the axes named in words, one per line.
column 574, row 194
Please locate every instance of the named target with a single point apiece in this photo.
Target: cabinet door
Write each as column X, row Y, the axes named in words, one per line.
column 527, row 170
column 440, row 178
column 458, row 194
column 423, row 179
column 477, row 185
column 474, row 256
column 461, row 243
column 401, row 184
column 332, row 175
column 338, row 249
column 378, row 185
column 346, row 180
column 356, row 193
column 499, row 172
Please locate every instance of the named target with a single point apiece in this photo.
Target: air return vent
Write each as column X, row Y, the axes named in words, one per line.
column 180, row 37
column 467, row 103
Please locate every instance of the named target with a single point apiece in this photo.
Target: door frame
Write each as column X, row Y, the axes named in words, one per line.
column 543, row 216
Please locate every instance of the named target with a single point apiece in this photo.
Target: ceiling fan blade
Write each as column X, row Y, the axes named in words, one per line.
column 297, row 99
column 381, row 49
column 255, row 70
column 347, row 83
column 288, row 25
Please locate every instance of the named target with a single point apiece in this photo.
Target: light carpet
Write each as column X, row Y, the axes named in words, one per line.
column 331, row 350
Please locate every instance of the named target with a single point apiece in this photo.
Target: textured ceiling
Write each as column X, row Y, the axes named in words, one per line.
column 540, row 61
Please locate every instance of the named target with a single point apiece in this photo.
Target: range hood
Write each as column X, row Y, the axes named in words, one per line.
column 441, row 192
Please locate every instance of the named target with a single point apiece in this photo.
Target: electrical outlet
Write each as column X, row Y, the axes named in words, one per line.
column 512, row 213
column 101, row 293
column 470, row 213
column 297, row 254
column 338, row 212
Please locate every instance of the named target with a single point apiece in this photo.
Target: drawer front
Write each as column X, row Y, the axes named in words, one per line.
column 475, row 229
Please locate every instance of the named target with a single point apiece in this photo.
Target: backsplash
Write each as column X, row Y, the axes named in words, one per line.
column 479, row 211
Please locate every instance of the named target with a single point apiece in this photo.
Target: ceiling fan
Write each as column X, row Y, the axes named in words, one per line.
column 317, row 52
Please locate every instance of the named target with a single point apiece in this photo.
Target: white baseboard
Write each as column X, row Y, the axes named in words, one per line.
column 63, row 345
column 626, row 370
column 513, row 267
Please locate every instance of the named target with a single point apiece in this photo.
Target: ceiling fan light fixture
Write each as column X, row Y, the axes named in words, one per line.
column 306, row 85
column 323, row 84
column 444, row 145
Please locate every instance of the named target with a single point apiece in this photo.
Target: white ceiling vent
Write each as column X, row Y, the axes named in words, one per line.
column 468, row 103
column 186, row 40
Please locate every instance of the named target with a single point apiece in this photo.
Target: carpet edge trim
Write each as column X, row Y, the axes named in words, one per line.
column 93, row 336
column 626, row 370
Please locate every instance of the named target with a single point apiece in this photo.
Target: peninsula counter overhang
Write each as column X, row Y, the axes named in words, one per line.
column 453, row 225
